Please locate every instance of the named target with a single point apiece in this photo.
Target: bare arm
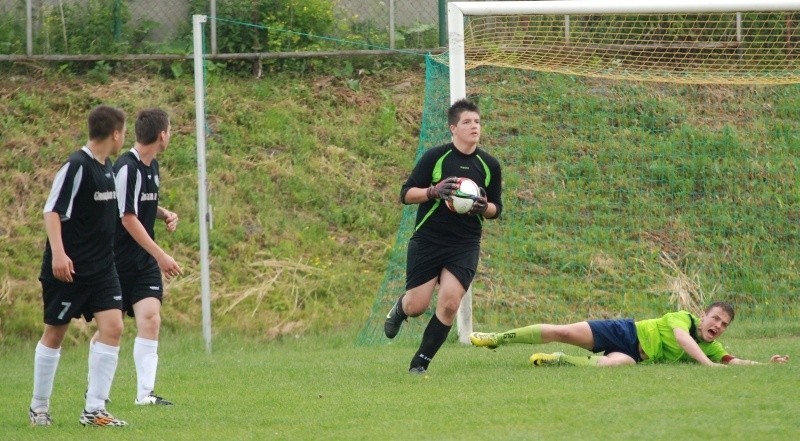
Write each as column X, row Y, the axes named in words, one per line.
column 774, row 359
column 690, row 346
column 170, row 218
column 416, row 195
column 165, row 262
column 62, row 264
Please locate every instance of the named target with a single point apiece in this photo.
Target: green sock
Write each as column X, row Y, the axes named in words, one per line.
column 581, row 360
column 531, row 335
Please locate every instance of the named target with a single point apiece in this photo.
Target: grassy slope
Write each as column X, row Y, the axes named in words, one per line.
column 304, row 174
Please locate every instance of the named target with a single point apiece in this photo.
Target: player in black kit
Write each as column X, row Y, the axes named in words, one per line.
column 140, row 261
column 78, row 275
column 445, row 246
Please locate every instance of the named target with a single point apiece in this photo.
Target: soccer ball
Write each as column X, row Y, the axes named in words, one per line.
column 461, row 202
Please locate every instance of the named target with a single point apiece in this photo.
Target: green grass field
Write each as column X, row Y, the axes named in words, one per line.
column 326, row 388
column 305, row 172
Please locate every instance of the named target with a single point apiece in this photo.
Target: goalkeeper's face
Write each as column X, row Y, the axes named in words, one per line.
column 468, row 129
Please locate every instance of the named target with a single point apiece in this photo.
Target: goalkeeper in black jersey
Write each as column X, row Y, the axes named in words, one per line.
column 445, row 247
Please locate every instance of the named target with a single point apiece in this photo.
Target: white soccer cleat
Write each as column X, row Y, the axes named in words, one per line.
column 152, row 400
column 39, row 417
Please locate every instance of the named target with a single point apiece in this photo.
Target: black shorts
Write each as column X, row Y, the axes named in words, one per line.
column 615, row 336
column 65, row 301
column 140, row 286
column 425, row 262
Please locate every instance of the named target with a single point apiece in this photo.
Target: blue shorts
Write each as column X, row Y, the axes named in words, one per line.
column 615, row 336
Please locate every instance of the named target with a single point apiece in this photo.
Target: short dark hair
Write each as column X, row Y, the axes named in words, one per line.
column 459, row 107
column 149, row 124
column 725, row 306
column 104, row 120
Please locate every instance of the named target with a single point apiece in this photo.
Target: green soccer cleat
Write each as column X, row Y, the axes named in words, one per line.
column 541, row 359
column 488, row 340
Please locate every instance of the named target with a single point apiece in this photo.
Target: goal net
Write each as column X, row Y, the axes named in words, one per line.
column 650, row 159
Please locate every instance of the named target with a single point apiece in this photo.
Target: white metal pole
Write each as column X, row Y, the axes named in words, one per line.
column 202, row 184
column 213, row 13
column 391, row 24
column 29, row 27
column 738, row 27
column 458, row 63
column 458, row 90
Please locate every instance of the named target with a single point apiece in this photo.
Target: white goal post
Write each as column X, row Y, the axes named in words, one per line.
column 203, row 212
column 455, row 22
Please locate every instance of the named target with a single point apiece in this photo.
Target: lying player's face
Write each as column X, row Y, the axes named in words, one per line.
column 713, row 324
column 468, row 129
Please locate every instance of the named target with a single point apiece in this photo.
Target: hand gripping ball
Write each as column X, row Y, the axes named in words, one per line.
column 461, row 201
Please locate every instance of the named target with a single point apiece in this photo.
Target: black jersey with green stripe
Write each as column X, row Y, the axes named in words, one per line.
column 435, row 222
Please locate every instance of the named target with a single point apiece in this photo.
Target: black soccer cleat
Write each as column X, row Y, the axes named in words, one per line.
column 394, row 319
column 417, row 370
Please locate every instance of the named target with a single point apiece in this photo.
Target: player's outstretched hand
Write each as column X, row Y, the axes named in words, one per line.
column 444, row 189
column 480, row 204
column 779, row 359
column 171, row 220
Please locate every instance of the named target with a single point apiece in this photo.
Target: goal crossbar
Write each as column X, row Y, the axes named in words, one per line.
column 620, row 7
column 457, row 11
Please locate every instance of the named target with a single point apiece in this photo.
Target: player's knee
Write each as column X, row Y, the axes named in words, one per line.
column 111, row 331
column 150, row 324
column 415, row 309
column 615, row 359
column 448, row 307
column 562, row 333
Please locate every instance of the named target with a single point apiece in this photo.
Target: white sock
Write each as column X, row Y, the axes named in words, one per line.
column 45, row 363
column 145, row 357
column 102, row 366
column 88, row 371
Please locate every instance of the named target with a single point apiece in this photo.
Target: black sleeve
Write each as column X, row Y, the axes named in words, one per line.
column 494, row 192
column 421, row 175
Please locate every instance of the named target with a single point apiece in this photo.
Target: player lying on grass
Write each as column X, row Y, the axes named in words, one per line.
column 676, row 336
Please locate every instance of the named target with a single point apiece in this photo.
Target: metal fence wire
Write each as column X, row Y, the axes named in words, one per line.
column 45, row 28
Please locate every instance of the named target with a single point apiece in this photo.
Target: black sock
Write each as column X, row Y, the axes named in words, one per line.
column 400, row 313
column 432, row 339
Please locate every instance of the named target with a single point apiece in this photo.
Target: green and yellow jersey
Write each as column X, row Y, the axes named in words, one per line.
column 657, row 338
